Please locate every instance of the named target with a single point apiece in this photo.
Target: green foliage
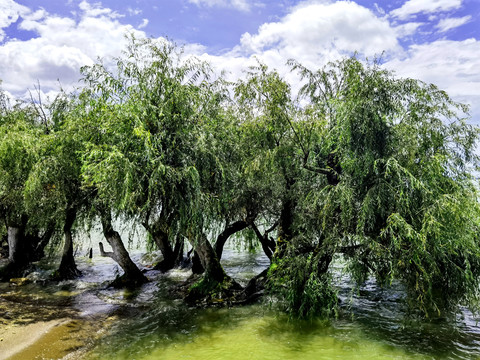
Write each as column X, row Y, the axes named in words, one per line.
column 406, row 204
column 360, row 163
column 305, row 292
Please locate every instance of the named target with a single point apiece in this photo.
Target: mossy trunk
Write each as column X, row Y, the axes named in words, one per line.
column 132, row 275
column 215, row 283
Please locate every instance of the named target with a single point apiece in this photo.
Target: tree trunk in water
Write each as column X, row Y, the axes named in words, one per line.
column 208, row 258
column 160, row 237
column 215, row 282
column 68, row 268
column 226, row 233
column 18, row 255
column 132, row 275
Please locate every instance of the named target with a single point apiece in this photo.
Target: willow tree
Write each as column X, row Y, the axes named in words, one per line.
column 394, row 191
column 155, row 164
column 273, row 153
column 53, row 190
column 19, row 135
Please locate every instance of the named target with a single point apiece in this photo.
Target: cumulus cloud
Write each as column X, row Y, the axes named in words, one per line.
column 10, row 11
column 242, row 5
column 317, row 31
column 407, row 29
column 451, row 65
column 413, row 7
column 451, row 23
column 62, row 46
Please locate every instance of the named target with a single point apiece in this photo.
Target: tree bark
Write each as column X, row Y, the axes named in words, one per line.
column 16, row 245
column 68, row 268
column 209, row 260
column 226, row 233
column 132, row 275
column 268, row 245
column 18, row 255
column 285, row 222
column 160, row 237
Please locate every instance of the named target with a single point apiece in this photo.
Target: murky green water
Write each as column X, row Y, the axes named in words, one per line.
column 146, row 325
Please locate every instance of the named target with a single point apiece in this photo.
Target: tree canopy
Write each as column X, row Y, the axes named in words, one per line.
column 360, row 168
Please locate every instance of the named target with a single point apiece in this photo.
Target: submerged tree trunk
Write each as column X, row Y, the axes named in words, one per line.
column 68, row 268
column 132, row 275
column 209, row 259
column 215, row 282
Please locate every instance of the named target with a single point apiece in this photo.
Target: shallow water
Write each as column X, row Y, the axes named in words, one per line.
column 145, row 324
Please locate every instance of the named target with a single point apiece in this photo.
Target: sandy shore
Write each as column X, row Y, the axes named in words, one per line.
column 15, row 338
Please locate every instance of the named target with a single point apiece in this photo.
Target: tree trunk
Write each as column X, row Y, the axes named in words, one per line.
column 215, row 283
column 132, row 275
column 16, row 245
column 160, row 237
column 285, row 223
column 226, row 233
column 18, row 256
column 197, row 267
column 268, row 245
column 68, row 268
column 178, row 252
column 209, row 259
column 39, row 242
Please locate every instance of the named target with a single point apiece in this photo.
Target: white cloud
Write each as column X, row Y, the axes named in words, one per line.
column 451, row 65
column 413, row 7
column 143, row 24
column 10, row 11
column 96, row 10
column 407, row 29
column 451, row 23
column 242, row 5
column 315, row 29
column 63, row 45
column 133, row 12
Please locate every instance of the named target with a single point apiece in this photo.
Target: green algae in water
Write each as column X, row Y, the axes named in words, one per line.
column 243, row 333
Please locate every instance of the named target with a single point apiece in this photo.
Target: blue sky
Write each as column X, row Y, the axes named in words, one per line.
column 434, row 40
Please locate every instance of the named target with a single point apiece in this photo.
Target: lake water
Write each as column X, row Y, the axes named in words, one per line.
column 147, row 324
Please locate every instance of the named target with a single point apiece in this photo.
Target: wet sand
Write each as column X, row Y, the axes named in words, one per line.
column 16, row 338
column 55, row 339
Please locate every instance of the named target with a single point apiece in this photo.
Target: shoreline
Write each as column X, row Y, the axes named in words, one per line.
column 16, row 338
